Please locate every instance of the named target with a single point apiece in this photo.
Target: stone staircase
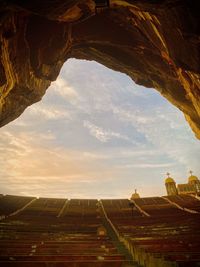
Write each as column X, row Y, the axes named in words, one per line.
column 116, row 241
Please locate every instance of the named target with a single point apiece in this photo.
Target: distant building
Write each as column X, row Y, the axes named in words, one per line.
column 190, row 188
column 135, row 195
column 170, row 186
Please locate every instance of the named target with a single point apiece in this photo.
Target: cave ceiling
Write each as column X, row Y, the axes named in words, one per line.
column 156, row 43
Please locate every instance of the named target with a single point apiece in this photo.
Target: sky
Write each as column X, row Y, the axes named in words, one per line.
column 96, row 134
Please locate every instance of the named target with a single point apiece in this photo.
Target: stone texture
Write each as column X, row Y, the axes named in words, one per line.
column 155, row 42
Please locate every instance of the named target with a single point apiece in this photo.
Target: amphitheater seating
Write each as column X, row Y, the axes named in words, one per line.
column 81, row 208
column 121, row 208
column 57, row 232
column 157, row 206
column 10, row 204
column 44, row 207
column 164, row 237
column 186, row 201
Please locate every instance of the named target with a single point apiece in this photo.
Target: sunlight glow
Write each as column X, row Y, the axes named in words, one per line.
column 96, row 134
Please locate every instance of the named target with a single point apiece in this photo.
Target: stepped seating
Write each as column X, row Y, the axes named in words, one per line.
column 120, row 208
column 56, row 232
column 186, row 201
column 157, row 206
column 57, row 248
column 81, row 208
column 10, row 204
column 59, row 232
column 64, row 263
column 150, row 201
column 161, row 239
column 44, row 207
column 85, row 211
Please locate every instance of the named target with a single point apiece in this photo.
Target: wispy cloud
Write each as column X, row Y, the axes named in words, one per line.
column 62, row 88
column 96, row 134
column 147, row 165
column 165, row 129
column 103, row 135
column 49, row 112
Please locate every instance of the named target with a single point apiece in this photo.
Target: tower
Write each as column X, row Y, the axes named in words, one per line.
column 135, row 195
column 193, row 180
column 170, row 186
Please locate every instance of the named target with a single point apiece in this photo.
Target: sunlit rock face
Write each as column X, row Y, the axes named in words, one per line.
column 155, row 42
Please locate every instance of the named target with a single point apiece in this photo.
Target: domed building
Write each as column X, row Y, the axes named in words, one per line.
column 193, row 180
column 190, row 188
column 135, row 195
column 170, row 186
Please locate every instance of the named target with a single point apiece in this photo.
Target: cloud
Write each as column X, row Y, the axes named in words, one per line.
column 49, row 112
column 51, row 150
column 62, row 88
column 142, row 152
column 134, row 116
column 165, row 129
column 147, row 165
column 103, row 135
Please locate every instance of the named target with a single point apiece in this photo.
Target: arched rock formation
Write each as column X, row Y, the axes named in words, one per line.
column 155, row 42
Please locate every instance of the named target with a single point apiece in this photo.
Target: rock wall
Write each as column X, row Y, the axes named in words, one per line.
column 155, row 42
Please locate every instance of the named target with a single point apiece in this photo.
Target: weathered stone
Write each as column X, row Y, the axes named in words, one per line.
column 155, row 42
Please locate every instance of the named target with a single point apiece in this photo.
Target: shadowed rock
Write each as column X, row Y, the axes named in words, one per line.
column 156, row 43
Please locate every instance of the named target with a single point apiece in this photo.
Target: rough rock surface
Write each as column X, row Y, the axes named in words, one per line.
column 155, row 42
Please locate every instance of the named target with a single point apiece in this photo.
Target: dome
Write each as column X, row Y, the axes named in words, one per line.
column 169, row 180
column 135, row 195
column 192, row 178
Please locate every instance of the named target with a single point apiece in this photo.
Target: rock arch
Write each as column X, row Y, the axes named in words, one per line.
column 155, row 42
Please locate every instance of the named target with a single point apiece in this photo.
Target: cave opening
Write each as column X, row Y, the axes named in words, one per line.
column 96, row 134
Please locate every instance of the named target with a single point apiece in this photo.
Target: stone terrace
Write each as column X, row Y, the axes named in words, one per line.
column 158, row 231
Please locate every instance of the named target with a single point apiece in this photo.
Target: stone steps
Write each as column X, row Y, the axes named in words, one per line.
column 118, row 244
